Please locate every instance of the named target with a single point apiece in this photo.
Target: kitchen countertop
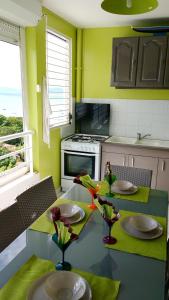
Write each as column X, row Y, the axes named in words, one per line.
column 134, row 142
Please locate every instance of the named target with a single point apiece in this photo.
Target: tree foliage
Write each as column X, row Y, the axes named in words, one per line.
column 6, row 163
column 10, row 125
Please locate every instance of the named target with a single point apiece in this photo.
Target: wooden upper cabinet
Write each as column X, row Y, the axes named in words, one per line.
column 166, row 76
column 124, row 61
column 151, row 62
column 140, row 62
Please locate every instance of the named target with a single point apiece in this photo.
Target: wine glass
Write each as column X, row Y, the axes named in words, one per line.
column 93, row 192
column 63, row 236
column 109, row 239
column 62, row 265
column 109, row 178
column 110, row 214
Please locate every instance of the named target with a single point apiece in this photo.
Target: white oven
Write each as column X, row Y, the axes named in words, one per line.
column 77, row 157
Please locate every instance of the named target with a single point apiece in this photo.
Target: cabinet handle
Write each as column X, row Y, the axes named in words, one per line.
column 124, row 161
column 163, row 166
column 132, row 162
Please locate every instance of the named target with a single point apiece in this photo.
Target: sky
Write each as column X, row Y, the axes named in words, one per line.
column 10, row 80
column 9, row 65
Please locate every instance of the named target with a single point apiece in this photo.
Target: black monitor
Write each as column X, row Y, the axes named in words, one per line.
column 91, row 118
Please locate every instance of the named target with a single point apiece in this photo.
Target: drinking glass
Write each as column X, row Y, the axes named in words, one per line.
column 110, row 179
column 62, row 265
column 109, row 239
column 93, row 192
column 110, row 214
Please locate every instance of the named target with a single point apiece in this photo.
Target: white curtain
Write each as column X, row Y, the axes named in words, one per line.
column 46, row 113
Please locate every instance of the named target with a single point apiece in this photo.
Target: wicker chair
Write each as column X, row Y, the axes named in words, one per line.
column 11, row 225
column 34, row 201
column 136, row 175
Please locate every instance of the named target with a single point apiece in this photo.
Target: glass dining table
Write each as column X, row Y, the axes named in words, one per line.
column 140, row 277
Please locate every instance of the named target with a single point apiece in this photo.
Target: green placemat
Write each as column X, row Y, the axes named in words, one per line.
column 142, row 195
column 18, row 286
column 102, row 288
column 43, row 224
column 155, row 248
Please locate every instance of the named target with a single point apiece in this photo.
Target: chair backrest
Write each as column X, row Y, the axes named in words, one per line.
column 136, row 175
column 35, row 200
column 11, row 225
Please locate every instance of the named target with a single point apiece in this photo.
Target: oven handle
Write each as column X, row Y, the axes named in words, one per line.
column 81, row 153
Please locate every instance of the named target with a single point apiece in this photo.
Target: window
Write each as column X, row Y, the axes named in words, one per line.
column 59, row 79
column 15, row 142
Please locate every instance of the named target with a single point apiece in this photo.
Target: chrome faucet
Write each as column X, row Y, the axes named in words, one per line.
column 140, row 137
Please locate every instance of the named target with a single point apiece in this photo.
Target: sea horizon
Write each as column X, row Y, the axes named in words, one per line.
column 11, row 102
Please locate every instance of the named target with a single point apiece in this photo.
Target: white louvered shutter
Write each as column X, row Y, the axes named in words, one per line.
column 59, row 79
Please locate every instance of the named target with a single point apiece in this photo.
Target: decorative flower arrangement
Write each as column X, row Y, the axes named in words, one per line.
column 107, row 210
column 110, row 214
column 63, row 236
column 109, row 178
column 62, row 227
column 87, row 182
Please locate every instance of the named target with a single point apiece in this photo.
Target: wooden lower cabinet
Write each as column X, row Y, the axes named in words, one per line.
column 156, row 160
column 163, row 175
column 144, row 162
column 117, row 159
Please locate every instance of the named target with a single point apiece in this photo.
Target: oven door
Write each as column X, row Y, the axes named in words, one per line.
column 75, row 162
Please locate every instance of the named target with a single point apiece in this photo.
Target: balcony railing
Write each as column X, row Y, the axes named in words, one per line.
column 23, row 165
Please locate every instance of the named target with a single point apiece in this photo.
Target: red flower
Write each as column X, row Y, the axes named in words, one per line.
column 55, row 213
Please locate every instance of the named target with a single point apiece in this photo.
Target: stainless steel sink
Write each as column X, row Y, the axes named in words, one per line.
column 134, row 142
column 121, row 140
column 152, row 143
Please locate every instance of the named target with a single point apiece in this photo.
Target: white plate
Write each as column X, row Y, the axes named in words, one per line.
column 72, row 220
column 114, row 189
column 143, row 223
column 123, row 185
column 65, row 285
column 37, row 290
column 77, row 218
column 153, row 234
column 68, row 210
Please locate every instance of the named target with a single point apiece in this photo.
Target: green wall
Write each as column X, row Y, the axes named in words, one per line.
column 46, row 160
column 97, row 53
column 91, row 68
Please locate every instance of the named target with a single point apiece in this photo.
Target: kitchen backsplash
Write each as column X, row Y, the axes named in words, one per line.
column 131, row 116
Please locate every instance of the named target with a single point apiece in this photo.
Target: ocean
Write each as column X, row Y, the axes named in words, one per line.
column 10, row 103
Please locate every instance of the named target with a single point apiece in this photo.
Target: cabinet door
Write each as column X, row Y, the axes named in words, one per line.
column 124, row 60
column 144, row 162
column 117, row 159
column 163, row 175
column 151, row 62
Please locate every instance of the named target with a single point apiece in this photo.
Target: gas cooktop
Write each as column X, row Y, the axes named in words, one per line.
column 86, row 138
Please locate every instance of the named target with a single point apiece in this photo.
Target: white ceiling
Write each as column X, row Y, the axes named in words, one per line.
column 88, row 13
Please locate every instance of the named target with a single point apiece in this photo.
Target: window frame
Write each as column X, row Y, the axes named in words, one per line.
column 69, row 39
column 26, row 134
